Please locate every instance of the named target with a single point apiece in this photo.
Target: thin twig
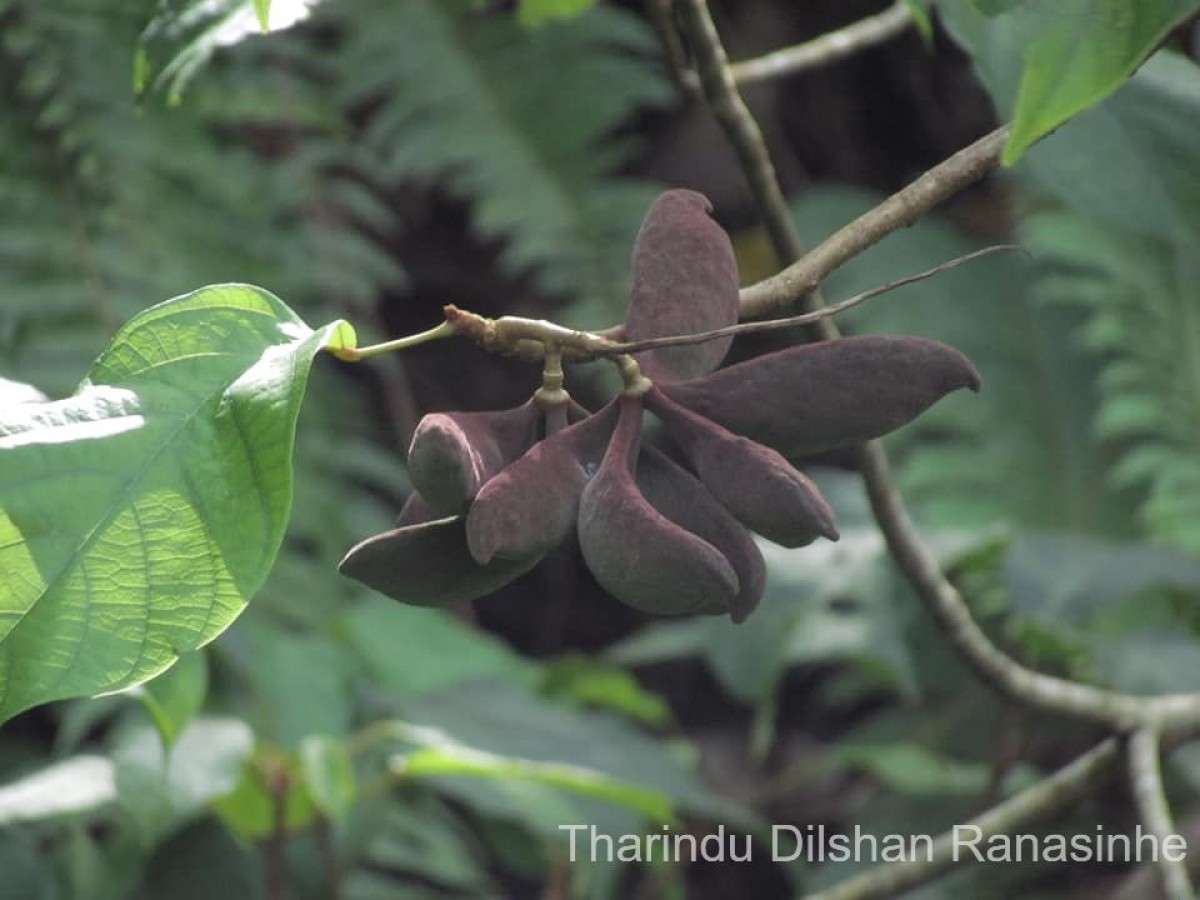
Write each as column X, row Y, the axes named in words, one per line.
column 809, row 318
column 1145, row 781
column 1048, row 797
column 662, row 18
column 827, row 48
column 916, row 562
column 1044, row 799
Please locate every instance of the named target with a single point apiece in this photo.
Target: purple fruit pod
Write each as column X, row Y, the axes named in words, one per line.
column 816, row 397
column 452, row 455
column 756, row 484
column 685, row 280
column 635, row 552
column 428, row 564
column 530, row 507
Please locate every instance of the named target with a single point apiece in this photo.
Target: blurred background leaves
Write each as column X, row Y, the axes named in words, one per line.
column 376, row 161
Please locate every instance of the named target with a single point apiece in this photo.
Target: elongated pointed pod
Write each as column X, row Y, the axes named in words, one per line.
column 428, row 564
column 758, row 486
column 815, row 397
column 452, row 455
column 677, row 494
column 685, row 280
column 636, row 553
column 531, row 506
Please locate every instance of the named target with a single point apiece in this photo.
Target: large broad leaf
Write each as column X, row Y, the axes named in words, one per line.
column 1126, row 159
column 139, row 516
column 1047, row 62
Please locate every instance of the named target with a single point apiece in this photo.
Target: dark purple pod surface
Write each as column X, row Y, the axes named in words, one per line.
column 685, row 280
column 428, row 564
column 815, row 397
column 452, row 455
column 756, row 484
column 415, row 511
column 677, row 494
column 531, row 506
column 636, row 553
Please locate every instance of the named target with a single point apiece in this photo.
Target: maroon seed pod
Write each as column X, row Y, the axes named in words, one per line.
column 428, row 565
column 685, row 280
column 452, row 455
column 757, row 485
column 815, row 397
column 531, row 506
column 677, row 494
column 415, row 511
column 636, row 553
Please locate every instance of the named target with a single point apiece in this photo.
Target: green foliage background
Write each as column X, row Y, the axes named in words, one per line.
column 425, row 754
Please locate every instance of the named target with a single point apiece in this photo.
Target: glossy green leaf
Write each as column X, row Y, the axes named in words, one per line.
column 139, row 516
column 1084, row 51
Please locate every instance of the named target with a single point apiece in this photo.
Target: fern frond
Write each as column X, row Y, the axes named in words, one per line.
column 1022, row 449
column 1141, row 297
column 462, row 98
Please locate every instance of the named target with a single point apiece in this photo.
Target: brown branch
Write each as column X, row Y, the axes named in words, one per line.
column 827, row 48
column 914, row 559
column 1146, row 785
column 741, row 129
column 1044, row 799
column 898, row 211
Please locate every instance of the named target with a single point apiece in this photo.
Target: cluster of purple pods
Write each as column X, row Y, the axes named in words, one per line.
column 497, row 491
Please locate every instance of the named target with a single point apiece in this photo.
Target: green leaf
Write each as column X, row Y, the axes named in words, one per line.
column 301, row 682
column 532, row 13
column 913, row 769
column 583, row 682
column 441, row 755
column 501, row 721
column 202, row 861
column 162, row 786
column 439, row 650
column 1086, row 50
column 262, row 9
column 175, row 696
column 329, row 773
column 139, row 516
column 266, row 782
column 77, row 785
column 419, row 835
column 1068, row 580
